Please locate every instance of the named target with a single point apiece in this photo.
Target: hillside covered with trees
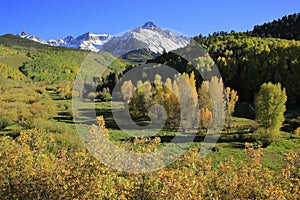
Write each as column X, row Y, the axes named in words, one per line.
column 288, row 27
column 246, row 62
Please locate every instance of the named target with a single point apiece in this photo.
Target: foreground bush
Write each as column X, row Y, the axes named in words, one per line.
column 32, row 166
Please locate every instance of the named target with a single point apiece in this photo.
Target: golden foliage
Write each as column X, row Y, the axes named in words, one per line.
column 102, row 126
column 33, row 166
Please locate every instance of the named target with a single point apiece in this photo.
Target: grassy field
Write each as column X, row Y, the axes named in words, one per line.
column 231, row 143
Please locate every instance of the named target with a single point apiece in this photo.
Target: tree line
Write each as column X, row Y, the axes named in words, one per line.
column 288, row 27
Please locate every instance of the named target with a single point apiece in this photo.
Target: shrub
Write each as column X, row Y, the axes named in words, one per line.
column 50, row 126
column 266, row 136
column 7, row 117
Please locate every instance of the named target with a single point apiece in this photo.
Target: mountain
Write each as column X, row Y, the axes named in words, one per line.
column 150, row 37
column 288, row 27
column 87, row 41
column 31, row 37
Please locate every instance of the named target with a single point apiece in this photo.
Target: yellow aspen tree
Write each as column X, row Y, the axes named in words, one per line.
column 232, row 98
column 127, row 91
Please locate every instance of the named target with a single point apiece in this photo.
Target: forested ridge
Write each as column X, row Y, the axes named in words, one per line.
column 245, row 62
column 288, row 27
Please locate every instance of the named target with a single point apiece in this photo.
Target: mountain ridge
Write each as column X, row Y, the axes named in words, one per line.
column 149, row 36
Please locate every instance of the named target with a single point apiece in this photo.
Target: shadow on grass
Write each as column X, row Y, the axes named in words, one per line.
column 65, row 119
column 88, row 117
column 235, row 139
column 232, row 141
column 10, row 133
column 6, row 130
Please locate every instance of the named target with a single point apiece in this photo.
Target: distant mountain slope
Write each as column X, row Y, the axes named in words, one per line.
column 148, row 36
column 15, row 41
column 22, row 59
column 10, row 60
column 288, row 27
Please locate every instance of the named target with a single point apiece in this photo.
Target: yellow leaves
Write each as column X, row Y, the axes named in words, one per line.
column 27, row 171
column 143, row 140
column 222, row 60
column 102, row 127
column 127, row 91
column 232, row 98
column 297, row 131
column 204, row 63
column 205, row 118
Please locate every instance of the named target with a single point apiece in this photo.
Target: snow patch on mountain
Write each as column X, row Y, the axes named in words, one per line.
column 31, row 37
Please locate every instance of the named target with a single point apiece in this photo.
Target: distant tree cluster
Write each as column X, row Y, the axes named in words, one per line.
column 288, row 27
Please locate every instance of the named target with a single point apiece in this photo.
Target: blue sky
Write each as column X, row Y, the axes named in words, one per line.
column 53, row 19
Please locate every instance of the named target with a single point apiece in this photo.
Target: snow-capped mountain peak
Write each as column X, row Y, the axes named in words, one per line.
column 25, row 35
column 149, row 25
column 149, row 36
